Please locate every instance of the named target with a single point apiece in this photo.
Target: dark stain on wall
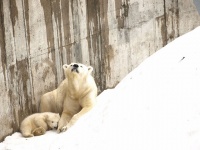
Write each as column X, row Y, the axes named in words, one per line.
column 25, row 97
column 27, row 35
column 122, row 9
column 94, row 37
column 66, row 28
column 23, row 80
column 173, row 15
column 162, row 24
column 125, row 7
column 26, row 19
column 2, row 43
column 108, row 57
column 177, row 17
column 49, row 25
column 104, row 39
column 76, row 29
column 13, row 13
column 13, row 96
column 48, row 12
column 56, row 11
column 19, row 92
column 98, row 40
column 47, row 69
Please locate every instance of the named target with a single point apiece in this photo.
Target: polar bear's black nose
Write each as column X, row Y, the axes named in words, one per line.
column 75, row 66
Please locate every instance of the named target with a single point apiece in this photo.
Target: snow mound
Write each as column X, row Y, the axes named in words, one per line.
column 155, row 107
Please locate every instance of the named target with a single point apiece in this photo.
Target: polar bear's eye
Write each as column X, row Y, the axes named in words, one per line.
column 81, row 66
column 52, row 122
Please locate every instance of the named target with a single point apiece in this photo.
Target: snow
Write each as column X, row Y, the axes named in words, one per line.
column 155, row 107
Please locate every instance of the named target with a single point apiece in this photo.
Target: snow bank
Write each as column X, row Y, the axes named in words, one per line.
column 156, row 107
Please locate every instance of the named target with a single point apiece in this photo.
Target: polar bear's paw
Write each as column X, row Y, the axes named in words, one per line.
column 38, row 131
column 61, row 129
column 64, row 129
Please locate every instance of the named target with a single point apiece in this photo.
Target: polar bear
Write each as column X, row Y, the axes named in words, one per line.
column 74, row 97
column 38, row 123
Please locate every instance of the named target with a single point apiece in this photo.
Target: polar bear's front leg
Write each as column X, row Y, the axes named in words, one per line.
column 71, row 121
column 77, row 116
column 65, row 117
column 87, row 104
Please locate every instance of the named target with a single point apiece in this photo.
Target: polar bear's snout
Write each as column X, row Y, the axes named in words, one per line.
column 75, row 68
column 75, row 65
column 54, row 125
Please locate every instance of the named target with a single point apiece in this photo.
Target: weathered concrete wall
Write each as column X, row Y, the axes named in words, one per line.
column 38, row 36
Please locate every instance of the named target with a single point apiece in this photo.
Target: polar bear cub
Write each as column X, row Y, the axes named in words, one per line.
column 74, row 97
column 38, row 123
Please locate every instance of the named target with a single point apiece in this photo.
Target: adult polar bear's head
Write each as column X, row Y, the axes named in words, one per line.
column 75, row 69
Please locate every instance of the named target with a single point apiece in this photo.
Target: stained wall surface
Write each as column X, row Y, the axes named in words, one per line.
column 114, row 36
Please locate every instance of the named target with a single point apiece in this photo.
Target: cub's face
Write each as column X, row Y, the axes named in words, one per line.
column 52, row 120
column 76, row 69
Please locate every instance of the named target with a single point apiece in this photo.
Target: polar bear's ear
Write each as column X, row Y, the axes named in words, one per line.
column 46, row 117
column 65, row 66
column 90, row 69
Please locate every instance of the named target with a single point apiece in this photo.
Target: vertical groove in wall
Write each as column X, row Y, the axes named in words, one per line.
column 94, row 38
column 76, row 28
column 47, row 10
column 66, row 28
column 177, row 16
column 32, row 100
column 100, row 58
column 58, row 39
column 2, row 43
column 13, row 85
column 104, row 41
column 164, row 28
column 13, row 13
column 121, row 9
column 48, row 13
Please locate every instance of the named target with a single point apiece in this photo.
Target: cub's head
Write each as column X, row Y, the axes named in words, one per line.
column 76, row 69
column 52, row 120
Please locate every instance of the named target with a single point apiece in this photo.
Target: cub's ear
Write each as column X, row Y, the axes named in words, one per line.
column 46, row 117
column 65, row 66
column 90, row 69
